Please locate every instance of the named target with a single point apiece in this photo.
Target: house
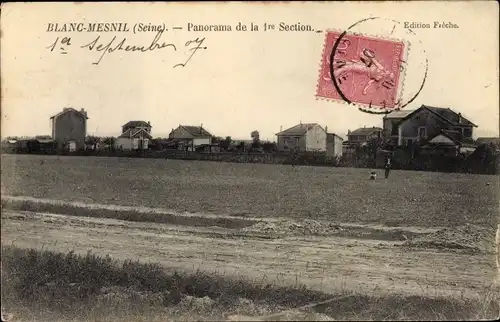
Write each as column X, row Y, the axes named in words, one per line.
column 363, row 135
column 448, row 143
column 69, row 128
column 495, row 142
column 36, row 144
column 302, row 137
column 133, row 125
column 191, row 138
column 136, row 135
column 424, row 123
column 390, row 124
column 46, row 143
column 333, row 145
column 44, row 138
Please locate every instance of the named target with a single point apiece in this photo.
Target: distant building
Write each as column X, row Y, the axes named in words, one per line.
column 363, row 135
column 191, row 138
column 390, row 123
column 448, row 143
column 44, row 138
column 492, row 141
column 333, row 145
column 302, row 137
column 134, row 125
column 403, row 128
column 136, row 135
column 69, row 128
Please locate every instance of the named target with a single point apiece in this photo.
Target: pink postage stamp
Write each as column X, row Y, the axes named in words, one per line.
column 367, row 71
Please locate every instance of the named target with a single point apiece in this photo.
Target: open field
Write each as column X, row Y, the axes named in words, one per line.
column 257, row 190
column 396, row 248
column 329, row 264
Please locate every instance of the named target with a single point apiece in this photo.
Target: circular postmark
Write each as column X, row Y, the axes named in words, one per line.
column 368, row 65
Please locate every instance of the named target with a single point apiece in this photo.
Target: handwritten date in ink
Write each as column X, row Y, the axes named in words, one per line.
column 65, row 42
column 105, row 47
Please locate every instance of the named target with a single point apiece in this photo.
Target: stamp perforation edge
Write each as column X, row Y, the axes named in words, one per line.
column 402, row 74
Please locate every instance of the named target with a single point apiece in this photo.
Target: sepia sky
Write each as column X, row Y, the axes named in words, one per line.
column 243, row 81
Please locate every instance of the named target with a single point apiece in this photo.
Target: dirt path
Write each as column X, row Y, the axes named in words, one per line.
column 329, row 264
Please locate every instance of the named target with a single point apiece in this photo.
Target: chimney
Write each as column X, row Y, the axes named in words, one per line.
column 348, row 132
column 326, row 128
column 459, row 118
column 281, row 128
column 201, row 128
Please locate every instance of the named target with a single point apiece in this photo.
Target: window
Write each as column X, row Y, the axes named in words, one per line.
column 422, row 132
column 468, row 132
column 286, row 141
column 297, row 140
column 458, row 129
column 394, row 129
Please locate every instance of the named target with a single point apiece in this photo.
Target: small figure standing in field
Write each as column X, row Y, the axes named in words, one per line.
column 373, row 175
column 387, row 167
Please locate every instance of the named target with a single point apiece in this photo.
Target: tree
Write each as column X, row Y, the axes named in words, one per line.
column 255, row 135
column 256, row 140
column 226, row 143
column 217, row 139
column 371, row 148
column 110, row 141
column 483, row 160
column 269, row 147
column 240, row 147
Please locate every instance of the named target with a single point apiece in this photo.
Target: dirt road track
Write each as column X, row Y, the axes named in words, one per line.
column 329, row 264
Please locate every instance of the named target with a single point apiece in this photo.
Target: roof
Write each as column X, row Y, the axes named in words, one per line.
column 65, row 110
column 455, row 136
column 299, row 129
column 398, row 114
column 331, row 135
column 446, row 114
column 493, row 140
column 43, row 137
column 133, row 132
column 137, row 124
column 365, row 130
column 196, row 131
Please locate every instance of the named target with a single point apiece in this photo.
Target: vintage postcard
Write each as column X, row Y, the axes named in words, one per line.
column 250, row 161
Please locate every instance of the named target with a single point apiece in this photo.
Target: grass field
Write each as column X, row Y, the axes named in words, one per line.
column 256, row 190
column 436, row 262
column 94, row 288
